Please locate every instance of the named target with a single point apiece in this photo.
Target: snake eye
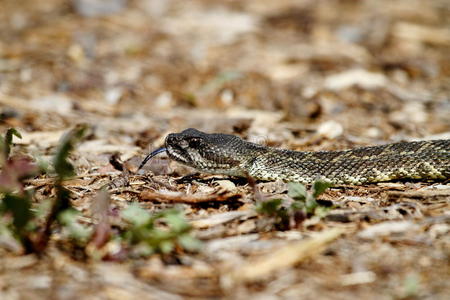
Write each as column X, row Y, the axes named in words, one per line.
column 194, row 142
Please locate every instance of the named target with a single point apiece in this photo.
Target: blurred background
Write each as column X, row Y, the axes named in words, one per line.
column 361, row 71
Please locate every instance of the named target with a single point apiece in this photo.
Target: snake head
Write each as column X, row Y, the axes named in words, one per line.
column 213, row 153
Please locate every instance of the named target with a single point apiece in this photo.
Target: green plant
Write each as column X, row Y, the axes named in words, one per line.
column 16, row 202
column 160, row 232
column 61, row 203
column 307, row 201
column 304, row 204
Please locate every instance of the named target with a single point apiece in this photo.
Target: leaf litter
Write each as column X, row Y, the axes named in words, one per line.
column 305, row 76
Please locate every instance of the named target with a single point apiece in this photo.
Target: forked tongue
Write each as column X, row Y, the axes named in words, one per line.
column 148, row 157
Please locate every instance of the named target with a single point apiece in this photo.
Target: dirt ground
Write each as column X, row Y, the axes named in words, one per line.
column 302, row 75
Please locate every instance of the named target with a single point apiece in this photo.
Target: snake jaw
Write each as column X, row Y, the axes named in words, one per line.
column 177, row 149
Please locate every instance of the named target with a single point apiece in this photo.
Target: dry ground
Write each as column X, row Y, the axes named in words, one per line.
column 304, row 75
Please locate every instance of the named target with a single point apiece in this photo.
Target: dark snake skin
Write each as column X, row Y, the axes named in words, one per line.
column 230, row 155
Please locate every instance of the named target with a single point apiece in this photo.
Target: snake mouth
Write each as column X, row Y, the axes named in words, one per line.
column 178, row 154
column 177, row 149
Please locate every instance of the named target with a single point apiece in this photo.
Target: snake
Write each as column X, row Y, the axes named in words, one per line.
column 226, row 154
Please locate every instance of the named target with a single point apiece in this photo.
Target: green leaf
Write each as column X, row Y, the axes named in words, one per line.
column 297, row 191
column 189, row 242
column 69, row 218
column 269, row 207
column 136, row 215
column 297, row 205
column 42, row 209
column 8, row 140
column 63, row 168
column 9, row 240
column 321, row 211
column 20, row 207
column 166, row 246
column 411, row 286
column 319, row 186
column 176, row 221
column 157, row 235
column 311, row 205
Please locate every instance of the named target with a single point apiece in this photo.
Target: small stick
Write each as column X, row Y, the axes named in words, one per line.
column 183, row 198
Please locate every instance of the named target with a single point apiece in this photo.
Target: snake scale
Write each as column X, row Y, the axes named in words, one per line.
column 226, row 154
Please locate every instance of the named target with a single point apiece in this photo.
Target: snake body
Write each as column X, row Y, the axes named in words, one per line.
column 230, row 155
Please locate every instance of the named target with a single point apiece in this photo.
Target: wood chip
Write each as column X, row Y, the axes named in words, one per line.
column 285, row 257
column 388, row 228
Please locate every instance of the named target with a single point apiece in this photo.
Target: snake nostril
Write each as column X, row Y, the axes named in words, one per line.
column 170, row 139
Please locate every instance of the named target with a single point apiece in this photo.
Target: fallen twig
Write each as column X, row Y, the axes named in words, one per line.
column 177, row 197
column 285, row 257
